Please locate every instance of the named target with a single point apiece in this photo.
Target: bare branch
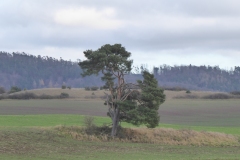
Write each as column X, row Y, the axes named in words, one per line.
column 126, row 95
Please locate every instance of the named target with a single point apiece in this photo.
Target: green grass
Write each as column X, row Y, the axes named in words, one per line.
column 78, row 120
column 47, row 120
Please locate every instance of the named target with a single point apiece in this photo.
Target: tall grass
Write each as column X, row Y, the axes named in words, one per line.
column 166, row 136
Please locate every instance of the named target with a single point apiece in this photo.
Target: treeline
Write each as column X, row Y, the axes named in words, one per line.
column 199, row 77
column 31, row 72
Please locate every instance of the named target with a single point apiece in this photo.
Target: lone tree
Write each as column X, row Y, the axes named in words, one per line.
column 133, row 103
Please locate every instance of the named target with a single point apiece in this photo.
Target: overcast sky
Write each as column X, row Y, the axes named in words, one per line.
column 156, row 32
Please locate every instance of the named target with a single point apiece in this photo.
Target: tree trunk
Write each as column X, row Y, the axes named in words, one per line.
column 115, row 119
column 115, row 123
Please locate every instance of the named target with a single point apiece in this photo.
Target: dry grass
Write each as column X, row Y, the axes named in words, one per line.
column 76, row 93
column 199, row 95
column 166, row 136
column 80, row 93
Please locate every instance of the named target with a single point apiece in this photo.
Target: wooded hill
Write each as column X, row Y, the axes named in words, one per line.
column 31, row 72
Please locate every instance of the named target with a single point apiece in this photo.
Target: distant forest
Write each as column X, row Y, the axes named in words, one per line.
column 32, row 72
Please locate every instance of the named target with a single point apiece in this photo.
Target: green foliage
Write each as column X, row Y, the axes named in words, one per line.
column 142, row 108
column 64, row 86
column 107, row 58
column 15, row 89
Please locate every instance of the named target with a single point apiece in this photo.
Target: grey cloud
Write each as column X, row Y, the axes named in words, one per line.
column 154, row 25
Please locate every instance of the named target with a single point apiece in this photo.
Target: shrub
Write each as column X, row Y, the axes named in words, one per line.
column 188, row 91
column 64, row 95
column 218, row 96
column 189, row 96
column 44, row 96
column 87, row 88
column 91, row 97
column 28, row 95
column 94, row 88
column 235, row 92
column 25, row 95
column 88, row 121
column 64, row 86
column 176, row 88
column 14, row 89
column 69, row 87
column 2, row 90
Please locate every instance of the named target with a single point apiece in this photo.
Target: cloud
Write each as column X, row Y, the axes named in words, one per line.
column 158, row 28
column 88, row 18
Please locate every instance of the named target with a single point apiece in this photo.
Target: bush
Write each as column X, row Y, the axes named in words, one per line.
column 25, row 95
column 88, row 121
column 44, row 96
column 28, row 95
column 189, row 96
column 188, row 91
column 64, row 95
column 218, row 96
column 14, row 89
column 69, row 87
column 235, row 92
column 2, row 90
column 87, row 88
column 94, row 88
column 174, row 88
column 64, row 86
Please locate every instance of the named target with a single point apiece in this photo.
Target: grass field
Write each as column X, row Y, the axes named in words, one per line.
column 37, row 143
column 78, row 120
column 26, row 128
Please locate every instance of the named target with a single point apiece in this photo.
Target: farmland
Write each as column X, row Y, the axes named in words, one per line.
column 27, row 128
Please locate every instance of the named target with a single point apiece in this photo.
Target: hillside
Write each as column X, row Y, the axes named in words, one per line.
column 33, row 72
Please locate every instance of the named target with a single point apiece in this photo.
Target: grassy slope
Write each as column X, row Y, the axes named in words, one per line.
column 30, row 143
